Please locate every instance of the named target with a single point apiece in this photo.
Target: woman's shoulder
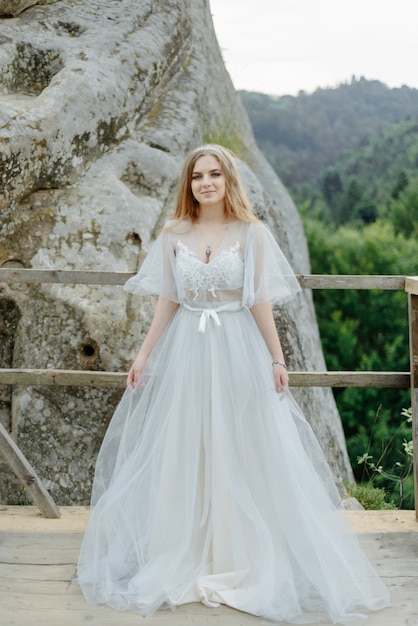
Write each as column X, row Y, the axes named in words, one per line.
column 246, row 226
column 178, row 227
column 254, row 228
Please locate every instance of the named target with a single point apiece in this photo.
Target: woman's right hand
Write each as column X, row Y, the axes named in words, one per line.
column 135, row 372
column 162, row 315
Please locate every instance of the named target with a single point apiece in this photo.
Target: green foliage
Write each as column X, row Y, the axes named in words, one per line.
column 350, row 204
column 385, row 163
column 400, row 473
column 365, row 330
column 377, row 180
column 401, row 183
column 23, row 497
column 331, row 187
column 403, row 209
column 370, row 497
column 227, row 134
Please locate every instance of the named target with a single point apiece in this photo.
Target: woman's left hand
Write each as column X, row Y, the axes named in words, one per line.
column 281, row 378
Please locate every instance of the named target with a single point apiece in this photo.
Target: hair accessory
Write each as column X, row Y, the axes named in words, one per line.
column 209, row 147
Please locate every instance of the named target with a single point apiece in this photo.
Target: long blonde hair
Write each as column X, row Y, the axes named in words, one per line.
column 236, row 201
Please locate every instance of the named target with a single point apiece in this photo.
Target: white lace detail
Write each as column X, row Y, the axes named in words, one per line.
column 225, row 271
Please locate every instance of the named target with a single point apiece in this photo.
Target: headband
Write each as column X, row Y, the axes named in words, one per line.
column 209, row 147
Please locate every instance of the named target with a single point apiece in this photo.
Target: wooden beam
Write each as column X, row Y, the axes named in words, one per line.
column 389, row 380
column 90, row 277
column 328, row 281
column 64, row 277
column 83, row 378
column 27, row 475
column 74, row 378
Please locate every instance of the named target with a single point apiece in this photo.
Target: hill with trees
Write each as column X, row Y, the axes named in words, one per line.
column 301, row 135
column 378, row 180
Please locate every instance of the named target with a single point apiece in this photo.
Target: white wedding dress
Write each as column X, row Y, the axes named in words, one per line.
column 210, row 486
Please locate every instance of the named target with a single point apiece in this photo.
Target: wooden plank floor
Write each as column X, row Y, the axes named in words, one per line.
column 38, row 556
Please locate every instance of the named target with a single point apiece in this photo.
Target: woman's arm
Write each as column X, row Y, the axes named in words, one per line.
column 263, row 316
column 163, row 313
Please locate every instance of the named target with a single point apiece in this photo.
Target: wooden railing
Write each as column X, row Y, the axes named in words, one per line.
column 401, row 380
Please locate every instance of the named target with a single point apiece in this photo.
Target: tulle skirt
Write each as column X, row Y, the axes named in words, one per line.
column 211, row 487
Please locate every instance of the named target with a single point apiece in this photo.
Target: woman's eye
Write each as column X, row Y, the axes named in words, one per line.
column 195, row 176
column 216, row 174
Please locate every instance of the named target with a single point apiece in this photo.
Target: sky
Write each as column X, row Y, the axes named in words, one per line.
column 285, row 46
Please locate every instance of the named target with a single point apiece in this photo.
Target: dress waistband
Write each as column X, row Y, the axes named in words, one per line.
column 212, row 313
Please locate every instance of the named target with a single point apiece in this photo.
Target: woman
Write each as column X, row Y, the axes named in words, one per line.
column 210, row 485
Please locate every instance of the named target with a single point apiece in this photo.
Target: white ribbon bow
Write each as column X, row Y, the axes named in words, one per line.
column 206, row 315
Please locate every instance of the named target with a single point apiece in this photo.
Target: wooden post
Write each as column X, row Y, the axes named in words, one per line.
column 25, row 472
column 411, row 286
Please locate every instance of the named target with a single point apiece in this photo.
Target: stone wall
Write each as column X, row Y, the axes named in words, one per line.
column 99, row 102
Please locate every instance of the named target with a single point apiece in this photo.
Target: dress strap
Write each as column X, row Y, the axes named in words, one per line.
column 212, row 313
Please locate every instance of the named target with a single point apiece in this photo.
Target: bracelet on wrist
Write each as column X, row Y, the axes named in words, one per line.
column 276, row 362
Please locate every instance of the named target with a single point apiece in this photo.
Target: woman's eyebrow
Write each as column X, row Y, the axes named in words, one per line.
column 215, row 169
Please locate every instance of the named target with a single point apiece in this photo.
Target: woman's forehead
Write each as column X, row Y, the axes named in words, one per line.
column 207, row 162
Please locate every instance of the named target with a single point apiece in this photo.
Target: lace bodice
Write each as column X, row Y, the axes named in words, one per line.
column 204, row 281
column 246, row 266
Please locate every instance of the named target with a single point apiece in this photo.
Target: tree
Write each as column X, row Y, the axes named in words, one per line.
column 366, row 211
column 401, row 183
column 331, row 186
column 353, row 194
column 347, row 204
column 403, row 211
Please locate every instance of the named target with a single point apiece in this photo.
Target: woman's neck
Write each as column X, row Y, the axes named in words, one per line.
column 212, row 215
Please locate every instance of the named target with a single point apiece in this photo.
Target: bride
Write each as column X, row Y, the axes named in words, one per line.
column 210, row 485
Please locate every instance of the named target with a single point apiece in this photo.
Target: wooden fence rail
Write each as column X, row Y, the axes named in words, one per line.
column 83, row 378
column 400, row 380
column 87, row 277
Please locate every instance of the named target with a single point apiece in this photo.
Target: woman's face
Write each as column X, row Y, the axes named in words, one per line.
column 208, row 181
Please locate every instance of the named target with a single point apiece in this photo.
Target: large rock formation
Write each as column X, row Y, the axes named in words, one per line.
column 14, row 7
column 99, row 103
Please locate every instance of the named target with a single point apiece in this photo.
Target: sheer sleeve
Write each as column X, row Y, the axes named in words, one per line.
column 268, row 275
column 157, row 272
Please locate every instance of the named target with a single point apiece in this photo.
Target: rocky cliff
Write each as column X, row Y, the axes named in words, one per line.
column 99, row 102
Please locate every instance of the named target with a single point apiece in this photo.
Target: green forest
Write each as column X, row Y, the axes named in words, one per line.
column 349, row 158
